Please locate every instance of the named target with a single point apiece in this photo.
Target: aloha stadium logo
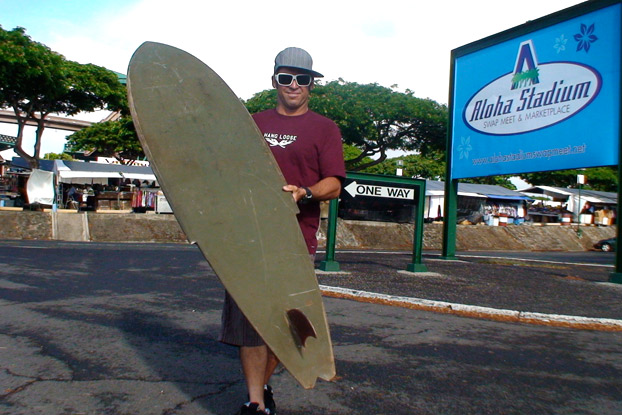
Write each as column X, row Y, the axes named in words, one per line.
column 533, row 96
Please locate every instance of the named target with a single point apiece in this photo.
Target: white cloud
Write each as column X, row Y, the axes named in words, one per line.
column 401, row 42
column 391, row 42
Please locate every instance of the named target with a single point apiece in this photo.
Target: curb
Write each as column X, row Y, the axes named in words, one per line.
column 503, row 315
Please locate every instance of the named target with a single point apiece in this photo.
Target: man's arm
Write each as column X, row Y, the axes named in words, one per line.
column 326, row 189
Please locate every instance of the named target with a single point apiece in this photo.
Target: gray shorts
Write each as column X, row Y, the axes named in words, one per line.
column 235, row 328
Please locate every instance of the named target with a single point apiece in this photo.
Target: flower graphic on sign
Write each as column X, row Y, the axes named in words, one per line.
column 465, row 147
column 585, row 38
column 560, row 43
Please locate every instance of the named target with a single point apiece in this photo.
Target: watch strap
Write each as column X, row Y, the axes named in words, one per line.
column 308, row 195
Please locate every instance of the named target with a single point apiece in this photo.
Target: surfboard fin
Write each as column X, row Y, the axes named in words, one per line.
column 300, row 326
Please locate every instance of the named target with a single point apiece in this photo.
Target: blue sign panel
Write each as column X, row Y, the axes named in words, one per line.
column 545, row 100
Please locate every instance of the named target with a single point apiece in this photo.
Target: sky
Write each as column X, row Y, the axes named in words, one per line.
column 406, row 43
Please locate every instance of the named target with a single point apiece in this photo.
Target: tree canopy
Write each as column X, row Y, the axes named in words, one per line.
column 116, row 139
column 374, row 119
column 36, row 81
column 58, row 156
column 598, row 178
column 502, row 180
column 413, row 165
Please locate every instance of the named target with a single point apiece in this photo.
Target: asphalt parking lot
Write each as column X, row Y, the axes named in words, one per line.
column 131, row 329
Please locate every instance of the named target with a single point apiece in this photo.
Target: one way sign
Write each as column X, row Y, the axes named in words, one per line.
column 356, row 189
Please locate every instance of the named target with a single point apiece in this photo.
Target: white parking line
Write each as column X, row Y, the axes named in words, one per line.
column 585, row 264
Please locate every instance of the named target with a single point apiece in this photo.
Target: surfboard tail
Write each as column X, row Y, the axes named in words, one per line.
column 301, row 329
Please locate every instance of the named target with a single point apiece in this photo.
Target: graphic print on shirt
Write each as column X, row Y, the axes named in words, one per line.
column 281, row 140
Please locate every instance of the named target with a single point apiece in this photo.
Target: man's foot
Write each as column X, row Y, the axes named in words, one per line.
column 251, row 408
column 269, row 400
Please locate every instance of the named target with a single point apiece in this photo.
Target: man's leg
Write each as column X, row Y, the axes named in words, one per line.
column 254, row 363
column 271, row 365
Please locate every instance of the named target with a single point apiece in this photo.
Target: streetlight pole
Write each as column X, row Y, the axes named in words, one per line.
column 400, row 167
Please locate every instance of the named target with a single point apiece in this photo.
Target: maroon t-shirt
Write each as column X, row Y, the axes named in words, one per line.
column 308, row 149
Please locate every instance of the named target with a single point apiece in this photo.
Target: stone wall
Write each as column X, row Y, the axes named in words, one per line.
column 130, row 227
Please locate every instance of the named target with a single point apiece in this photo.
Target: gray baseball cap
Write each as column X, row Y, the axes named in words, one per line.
column 295, row 58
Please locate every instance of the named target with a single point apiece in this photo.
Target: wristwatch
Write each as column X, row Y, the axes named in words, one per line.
column 308, row 195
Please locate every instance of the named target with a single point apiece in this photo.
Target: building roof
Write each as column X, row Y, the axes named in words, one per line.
column 80, row 169
column 7, row 142
column 490, row 191
column 122, row 77
column 563, row 193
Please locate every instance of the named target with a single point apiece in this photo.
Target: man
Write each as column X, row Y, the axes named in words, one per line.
column 308, row 149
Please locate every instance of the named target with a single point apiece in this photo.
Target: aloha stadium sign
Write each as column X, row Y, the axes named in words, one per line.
column 545, row 99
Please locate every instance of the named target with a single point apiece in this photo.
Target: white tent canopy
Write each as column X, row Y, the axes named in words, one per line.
column 76, row 172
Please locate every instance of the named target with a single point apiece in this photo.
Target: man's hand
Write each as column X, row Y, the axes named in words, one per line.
column 326, row 189
column 297, row 192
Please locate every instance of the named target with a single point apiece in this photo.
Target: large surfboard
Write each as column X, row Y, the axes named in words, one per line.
column 225, row 189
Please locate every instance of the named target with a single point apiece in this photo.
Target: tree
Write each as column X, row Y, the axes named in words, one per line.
column 350, row 152
column 414, row 165
column 502, row 180
column 374, row 119
column 57, row 156
column 36, row 82
column 598, row 178
column 116, row 139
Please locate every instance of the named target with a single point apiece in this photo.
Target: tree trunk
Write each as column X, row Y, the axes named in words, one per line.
column 33, row 162
column 39, row 134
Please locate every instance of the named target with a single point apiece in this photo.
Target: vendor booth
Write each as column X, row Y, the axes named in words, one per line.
column 478, row 203
column 101, row 186
column 563, row 204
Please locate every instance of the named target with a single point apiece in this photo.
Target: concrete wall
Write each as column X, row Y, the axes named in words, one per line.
column 25, row 225
column 371, row 235
column 134, row 228
column 130, row 227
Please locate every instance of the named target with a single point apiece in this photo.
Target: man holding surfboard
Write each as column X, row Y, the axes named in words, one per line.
column 308, row 150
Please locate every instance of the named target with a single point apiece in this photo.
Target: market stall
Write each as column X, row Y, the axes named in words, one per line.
column 100, row 186
column 584, row 206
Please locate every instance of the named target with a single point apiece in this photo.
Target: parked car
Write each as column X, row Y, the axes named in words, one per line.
column 606, row 245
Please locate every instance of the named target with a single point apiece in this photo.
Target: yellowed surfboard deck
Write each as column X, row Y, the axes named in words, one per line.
column 225, row 189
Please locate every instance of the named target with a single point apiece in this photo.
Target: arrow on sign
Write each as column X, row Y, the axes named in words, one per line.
column 356, row 189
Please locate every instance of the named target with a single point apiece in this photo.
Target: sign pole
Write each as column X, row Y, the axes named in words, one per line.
column 616, row 276
column 449, row 219
column 329, row 264
column 450, row 202
column 417, row 264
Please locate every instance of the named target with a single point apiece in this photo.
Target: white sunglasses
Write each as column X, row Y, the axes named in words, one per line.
column 286, row 79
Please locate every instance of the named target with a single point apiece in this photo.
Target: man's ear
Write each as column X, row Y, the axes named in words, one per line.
column 273, row 82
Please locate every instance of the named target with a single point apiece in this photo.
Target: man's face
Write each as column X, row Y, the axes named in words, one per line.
column 292, row 99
